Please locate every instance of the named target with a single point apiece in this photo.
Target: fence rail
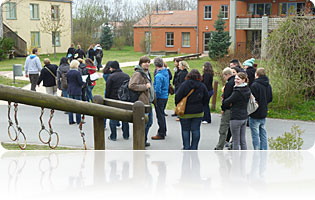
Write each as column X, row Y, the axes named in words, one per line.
column 100, row 109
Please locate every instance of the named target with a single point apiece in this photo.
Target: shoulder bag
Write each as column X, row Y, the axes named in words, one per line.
column 181, row 106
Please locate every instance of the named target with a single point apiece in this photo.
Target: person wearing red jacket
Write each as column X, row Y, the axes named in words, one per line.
column 90, row 84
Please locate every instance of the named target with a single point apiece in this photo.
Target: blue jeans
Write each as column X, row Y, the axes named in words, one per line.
column 160, row 115
column 259, row 134
column 64, row 93
column 70, row 114
column 148, row 125
column 206, row 109
column 89, row 95
column 113, row 129
column 190, row 125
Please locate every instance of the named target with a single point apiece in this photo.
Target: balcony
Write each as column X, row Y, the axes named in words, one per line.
column 256, row 23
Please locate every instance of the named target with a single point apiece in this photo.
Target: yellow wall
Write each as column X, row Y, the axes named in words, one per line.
column 24, row 25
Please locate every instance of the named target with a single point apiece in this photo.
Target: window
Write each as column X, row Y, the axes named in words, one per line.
column 291, row 8
column 35, row 39
column 206, row 40
column 34, row 8
column 259, row 8
column 225, row 11
column 170, row 39
column 186, row 39
column 11, row 10
column 54, row 12
column 208, row 12
column 55, row 39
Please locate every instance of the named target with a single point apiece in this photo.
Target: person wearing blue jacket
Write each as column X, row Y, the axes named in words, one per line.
column 161, row 85
column 32, row 68
column 74, row 89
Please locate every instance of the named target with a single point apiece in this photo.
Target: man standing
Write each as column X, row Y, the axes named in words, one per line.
column 114, row 81
column 32, row 68
column 262, row 91
column 141, row 82
column 161, row 85
column 225, row 118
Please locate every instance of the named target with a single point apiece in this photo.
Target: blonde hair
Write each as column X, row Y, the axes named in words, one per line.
column 227, row 71
column 74, row 64
column 46, row 61
column 184, row 64
column 261, row 72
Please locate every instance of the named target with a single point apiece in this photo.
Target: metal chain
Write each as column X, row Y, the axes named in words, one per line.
column 50, row 118
column 51, row 132
column 41, row 118
column 43, row 129
column 20, row 132
column 11, row 127
column 81, row 131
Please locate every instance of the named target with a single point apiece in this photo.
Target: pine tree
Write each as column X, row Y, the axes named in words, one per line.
column 106, row 38
column 220, row 40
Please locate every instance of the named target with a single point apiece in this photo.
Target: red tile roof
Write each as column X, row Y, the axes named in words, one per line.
column 176, row 18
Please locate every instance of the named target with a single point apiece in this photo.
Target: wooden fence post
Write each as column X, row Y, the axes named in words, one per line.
column 215, row 94
column 138, row 126
column 98, row 124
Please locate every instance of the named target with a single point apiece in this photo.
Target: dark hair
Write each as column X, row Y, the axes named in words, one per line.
column 88, row 61
column 242, row 76
column 235, row 62
column 193, row 75
column 237, row 69
column 144, row 59
column 208, row 68
column 178, row 59
column 34, row 50
column 64, row 60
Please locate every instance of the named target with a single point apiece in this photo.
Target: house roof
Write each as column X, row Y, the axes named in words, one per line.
column 176, row 18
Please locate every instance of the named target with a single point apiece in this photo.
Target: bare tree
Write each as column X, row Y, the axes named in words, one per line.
column 53, row 23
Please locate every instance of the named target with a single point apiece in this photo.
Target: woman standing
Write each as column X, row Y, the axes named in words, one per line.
column 207, row 79
column 183, row 67
column 238, row 101
column 191, row 120
column 62, row 76
column 91, row 53
column 74, row 88
column 90, row 84
column 48, row 76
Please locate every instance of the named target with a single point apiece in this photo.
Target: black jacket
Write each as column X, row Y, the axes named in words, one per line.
column 196, row 100
column 239, row 100
column 181, row 75
column 250, row 71
column 81, row 53
column 113, row 83
column 261, row 89
column 71, row 51
column 91, row 54
column 48, row 79
column 207, row 79
column 228, row 89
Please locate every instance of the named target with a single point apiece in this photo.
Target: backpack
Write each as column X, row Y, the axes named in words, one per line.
column 125, row 94
column 64, row 82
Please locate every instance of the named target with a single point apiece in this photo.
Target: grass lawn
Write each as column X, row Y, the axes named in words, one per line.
column 7, row 81
column 11, row 146
column 127, row 54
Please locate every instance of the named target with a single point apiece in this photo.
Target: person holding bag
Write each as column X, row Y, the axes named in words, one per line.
column 197, row 96
column 48, row 76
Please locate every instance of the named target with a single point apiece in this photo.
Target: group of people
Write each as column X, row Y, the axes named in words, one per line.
column 241, row 82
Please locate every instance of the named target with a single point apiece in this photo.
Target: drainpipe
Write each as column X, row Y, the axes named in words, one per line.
column 1, row 22
column 197, row 27
column 232, row 31
column 71, row 22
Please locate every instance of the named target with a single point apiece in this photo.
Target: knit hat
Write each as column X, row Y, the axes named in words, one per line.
column 249, row 62
column 114, row 65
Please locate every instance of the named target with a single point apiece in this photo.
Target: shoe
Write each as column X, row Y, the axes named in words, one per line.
column 177, row 119
column 111, row 139
column 204, row 122
column 126, row 138
column 174, row 115
column 147, row 144
column 157, row 137
column 227, row 144
column 70, row 123
column 166, row 115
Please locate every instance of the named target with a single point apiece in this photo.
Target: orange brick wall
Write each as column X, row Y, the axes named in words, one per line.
column 158, row 36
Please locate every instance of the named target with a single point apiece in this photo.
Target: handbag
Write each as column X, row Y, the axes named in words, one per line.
column 252, row 105
column 52, row 74
column 181, row 106
column 171, row 90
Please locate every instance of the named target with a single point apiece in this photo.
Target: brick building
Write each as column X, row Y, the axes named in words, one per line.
column 248, row 22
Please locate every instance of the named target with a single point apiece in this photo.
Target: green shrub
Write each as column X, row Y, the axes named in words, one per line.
column 288, row 141
column 119, row 42
column 6, row 44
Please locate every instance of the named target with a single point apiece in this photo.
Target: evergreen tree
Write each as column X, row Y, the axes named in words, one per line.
column 106, row 38
column 220, row 40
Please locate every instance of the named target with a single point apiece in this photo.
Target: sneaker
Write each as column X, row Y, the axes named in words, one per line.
column 147, row 144
column 157, row 137
column 177, row 119
column 174, row 115
column 204, row 122
column 111, row 139
column 126, row 138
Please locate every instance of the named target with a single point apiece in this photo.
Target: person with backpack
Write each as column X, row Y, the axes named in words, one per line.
column 161, row 86
column 62, row 71
column 141, row 82
column 113, row 84
column 48, row 76
column 99, row 57
column 90, row 84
